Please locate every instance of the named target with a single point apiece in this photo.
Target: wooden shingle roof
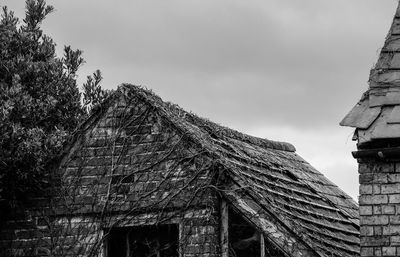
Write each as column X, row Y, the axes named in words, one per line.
column 268, row 179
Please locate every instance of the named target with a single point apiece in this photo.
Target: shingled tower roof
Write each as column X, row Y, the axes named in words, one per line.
column 377, row 115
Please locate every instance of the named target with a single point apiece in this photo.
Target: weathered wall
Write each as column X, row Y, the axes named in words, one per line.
column 129, row 167
column 379, row 207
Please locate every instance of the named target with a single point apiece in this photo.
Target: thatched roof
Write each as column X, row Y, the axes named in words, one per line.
column 271, row 185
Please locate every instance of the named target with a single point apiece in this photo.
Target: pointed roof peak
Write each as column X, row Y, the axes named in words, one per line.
column 376, row 115
column 386, row 72
column 393, row 33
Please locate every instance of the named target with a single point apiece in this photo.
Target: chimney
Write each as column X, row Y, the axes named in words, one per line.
column 376, row 119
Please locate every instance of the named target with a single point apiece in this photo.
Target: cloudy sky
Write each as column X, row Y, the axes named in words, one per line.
column 285, row 70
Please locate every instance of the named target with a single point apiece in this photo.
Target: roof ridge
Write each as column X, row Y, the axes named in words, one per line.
column 212, row 128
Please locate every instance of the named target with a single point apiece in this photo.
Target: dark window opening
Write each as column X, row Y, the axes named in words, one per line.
column 244, row 240
column 143, row 241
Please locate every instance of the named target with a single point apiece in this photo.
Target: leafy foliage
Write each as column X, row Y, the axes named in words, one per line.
column 93, row 94
column 40, row 102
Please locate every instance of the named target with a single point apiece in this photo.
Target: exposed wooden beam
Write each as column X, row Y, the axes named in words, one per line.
column 224, row 229
column 262, row 245
column 127, row 245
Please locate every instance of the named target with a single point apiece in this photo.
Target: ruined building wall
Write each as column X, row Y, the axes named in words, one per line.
column 128, row 168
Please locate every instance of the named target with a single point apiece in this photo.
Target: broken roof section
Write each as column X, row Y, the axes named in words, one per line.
column 377, row 115
column 285, row 197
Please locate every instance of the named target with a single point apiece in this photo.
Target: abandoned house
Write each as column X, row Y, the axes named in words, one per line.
column 144, row 178
column 376, row 118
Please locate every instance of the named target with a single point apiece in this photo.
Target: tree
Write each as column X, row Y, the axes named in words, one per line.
column 40, row 108
column 40, row 102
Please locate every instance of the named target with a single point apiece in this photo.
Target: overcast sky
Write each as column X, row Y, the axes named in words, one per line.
column 284, row 70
